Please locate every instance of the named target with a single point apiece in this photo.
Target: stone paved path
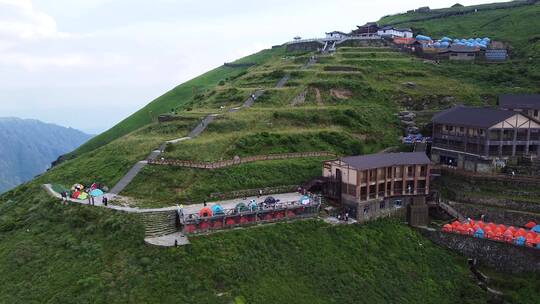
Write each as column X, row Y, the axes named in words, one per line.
column 168, row 240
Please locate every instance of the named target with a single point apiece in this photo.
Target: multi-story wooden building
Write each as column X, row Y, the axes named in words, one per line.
column 377, row 185
column 481, row 139
column 528, row 104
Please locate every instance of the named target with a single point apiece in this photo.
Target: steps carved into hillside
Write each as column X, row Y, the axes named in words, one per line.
column 159, row 223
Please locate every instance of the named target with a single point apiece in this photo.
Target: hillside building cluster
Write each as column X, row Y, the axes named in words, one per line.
column 461, row 49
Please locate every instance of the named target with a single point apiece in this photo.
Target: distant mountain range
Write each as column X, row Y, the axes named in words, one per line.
column 27, row 148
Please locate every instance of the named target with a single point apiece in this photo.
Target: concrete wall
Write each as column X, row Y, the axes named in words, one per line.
column 501, row 256
column 304, row 46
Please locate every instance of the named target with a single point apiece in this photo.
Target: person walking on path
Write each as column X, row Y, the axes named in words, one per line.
column 105, row 201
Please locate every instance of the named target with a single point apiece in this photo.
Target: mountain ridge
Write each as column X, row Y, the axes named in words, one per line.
column 29, row 146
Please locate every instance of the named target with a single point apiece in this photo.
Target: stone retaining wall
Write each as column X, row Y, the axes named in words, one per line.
column 501, row 256
column 496, row 215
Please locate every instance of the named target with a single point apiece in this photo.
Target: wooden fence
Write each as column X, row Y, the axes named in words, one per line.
column 236, row 161
column 495, row 177
column 254, row 192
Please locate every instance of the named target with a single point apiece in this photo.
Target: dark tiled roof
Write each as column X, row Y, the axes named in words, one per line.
column 472, row 117
column 372, row 161
column 520, row 101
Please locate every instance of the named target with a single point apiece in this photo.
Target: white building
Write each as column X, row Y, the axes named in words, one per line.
column 389, row 31
column 336, row 35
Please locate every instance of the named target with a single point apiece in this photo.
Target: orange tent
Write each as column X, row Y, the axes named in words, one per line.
column 481, row 224
column 447, row 228
column 521, row 232
column 205, row 212
column 456, row 224
column 502, row 227
column 530, row 225
column 491, row 226
column 508, row 236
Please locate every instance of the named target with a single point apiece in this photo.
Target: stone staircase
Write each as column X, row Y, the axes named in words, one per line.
column 159, row 223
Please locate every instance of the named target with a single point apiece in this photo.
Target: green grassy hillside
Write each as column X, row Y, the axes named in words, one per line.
column 518, row 26
column 346, row 104
column 177, row 98
column 57, row 254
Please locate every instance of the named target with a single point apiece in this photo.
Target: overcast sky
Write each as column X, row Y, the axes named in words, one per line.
column 88, row 64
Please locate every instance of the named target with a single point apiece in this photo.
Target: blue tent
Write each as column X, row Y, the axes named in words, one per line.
column 422, row 37
column 446, row 39
column 536, row 229
column 217, row 209
column 520, row 241
column 96, row 193
column 479, row 233
column 253, row 205
column 538, row 246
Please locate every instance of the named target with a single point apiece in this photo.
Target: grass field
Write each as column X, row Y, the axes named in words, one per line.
column 52, row 253
column 73, row 254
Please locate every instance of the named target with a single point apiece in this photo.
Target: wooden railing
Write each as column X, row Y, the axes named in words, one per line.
column 236, row 161
column 490, row 176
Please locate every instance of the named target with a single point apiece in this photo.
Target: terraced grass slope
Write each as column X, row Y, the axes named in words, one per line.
column 179, row 97
column 343, row 104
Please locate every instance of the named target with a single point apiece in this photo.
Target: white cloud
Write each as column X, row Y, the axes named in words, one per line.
column 21, row 21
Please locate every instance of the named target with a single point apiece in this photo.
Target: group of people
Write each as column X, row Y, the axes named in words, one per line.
column 91, row 199
column 343, row 216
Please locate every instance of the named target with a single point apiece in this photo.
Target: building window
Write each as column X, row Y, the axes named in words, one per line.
column 410, row 171
column 366, row 210
column 535, row 113
column 423, row 171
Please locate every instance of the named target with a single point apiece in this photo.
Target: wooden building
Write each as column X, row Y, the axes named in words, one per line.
column 528, row 104
column 378, row 185
column 463, row 52
column 481, row 139
column 369, row 28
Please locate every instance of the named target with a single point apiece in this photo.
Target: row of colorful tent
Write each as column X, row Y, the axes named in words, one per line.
column 502, row 233
column 217, row 210
column 78, row 191
column 446, row 42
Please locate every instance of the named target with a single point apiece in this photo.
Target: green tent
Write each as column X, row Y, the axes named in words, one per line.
column 241, row 207
column 83, row 196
